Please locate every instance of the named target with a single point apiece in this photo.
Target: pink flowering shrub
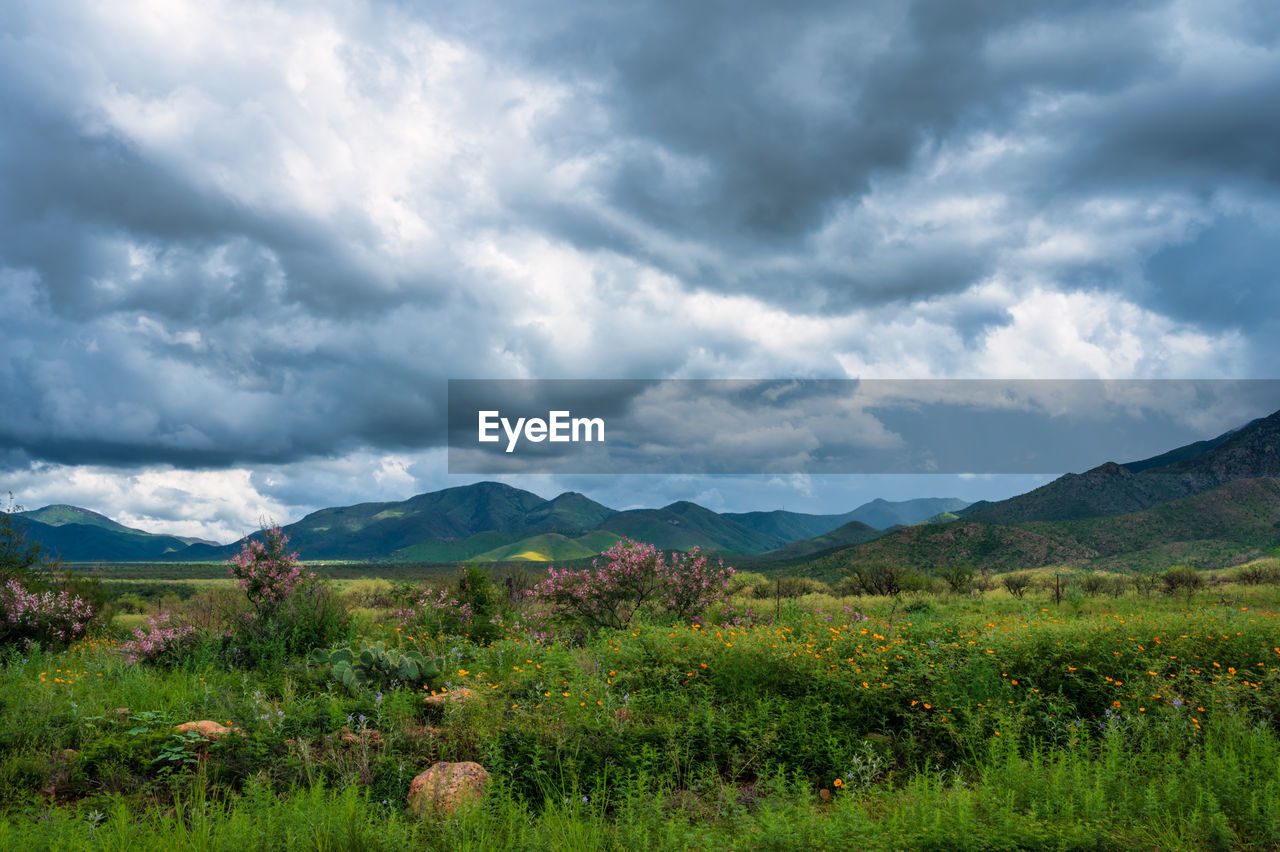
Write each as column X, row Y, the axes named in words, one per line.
column 470, row 608
column 435, row 612
column 631, row 578
column 158, row 641
column 293, row 611
column 267, row 571
column 46, row 618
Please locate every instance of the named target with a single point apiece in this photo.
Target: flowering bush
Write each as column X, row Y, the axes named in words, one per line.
column 471, row 608
column 47, row 618
column 158, row 641
column 435, row 612
column 634, row 577
column 267, row 571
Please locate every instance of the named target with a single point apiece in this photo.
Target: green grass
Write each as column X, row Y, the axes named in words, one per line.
column 951, row 722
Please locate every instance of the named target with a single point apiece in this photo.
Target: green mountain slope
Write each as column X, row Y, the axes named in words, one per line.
column 1210, row 529
column 854, row 532
column 684, row 525
column 551, row 547
column 60, row 514
column 75, row 542
column 1113, row 489
column 883, row 514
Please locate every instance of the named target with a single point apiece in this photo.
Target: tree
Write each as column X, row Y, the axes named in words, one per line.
column 1016, row 584
column 17, row 555
column 1182, row 579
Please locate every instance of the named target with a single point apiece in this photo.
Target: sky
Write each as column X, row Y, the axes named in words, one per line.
column 244, row 246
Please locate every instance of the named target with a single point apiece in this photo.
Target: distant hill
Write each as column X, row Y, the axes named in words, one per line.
column 60, row 515
column 854, row 532
column 1234, row 521
column 684, row 525
column 883, row 514
column 1113, row 489
column 103, row 540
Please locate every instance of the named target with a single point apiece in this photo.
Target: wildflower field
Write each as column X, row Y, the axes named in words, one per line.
column 935, row 720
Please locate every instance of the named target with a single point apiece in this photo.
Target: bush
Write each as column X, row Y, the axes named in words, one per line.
column 880, row 578
column 476, row 592
column 47, row 618
column 293, row 611
column 159, row 641
column 1182, row 579
column 1016, row 584
column 1257, row 574
column 267, row 571
column 959, row 578
column 634, row 578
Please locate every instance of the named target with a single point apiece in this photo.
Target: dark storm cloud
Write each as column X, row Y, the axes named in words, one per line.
column 747, row 125
column 224, row 296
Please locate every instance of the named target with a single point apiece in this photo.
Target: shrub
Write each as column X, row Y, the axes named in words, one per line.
column 17, row 555
column 46, row 618
column 1016, row 584
column 293, row 611
column 1257, row 574
column 959, row 578
column 882, row 578
column 1182, row 579
column 266, row 570
column 476, row 592
column 434, row 612
column 634, row 578
column 158, row 641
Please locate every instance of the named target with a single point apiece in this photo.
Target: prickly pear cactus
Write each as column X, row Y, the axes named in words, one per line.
column 378, row 666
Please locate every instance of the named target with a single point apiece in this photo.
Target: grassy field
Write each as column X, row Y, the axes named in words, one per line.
column 939, row 722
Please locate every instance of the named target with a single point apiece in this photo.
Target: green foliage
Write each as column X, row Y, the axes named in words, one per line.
column 1182, row 579
column 959, row 578
column 979, row 723
column 377, row 667
column 1016, row 584
column 475, row 591
column 312, row 615
column 17, row 555
column 887, row 579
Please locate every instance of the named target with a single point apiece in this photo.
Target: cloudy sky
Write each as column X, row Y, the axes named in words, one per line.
column 243, row 246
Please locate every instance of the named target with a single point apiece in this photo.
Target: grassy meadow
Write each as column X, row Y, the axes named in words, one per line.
column 930, row 720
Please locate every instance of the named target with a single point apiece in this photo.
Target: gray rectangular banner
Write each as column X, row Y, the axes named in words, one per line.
column 783, row 426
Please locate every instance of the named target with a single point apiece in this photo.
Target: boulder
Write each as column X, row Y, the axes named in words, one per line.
column 454, row 696
column 205, row 727
column 445, row 787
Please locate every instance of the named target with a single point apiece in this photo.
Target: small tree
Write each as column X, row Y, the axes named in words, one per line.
column 267, row 571
column 959, row 578
column 1182, row 579
column 878, row 578
column 1016, row 584
column 17, row 555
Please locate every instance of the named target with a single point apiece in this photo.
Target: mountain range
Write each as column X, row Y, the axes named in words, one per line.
column 1207, row 503
column 487, row 521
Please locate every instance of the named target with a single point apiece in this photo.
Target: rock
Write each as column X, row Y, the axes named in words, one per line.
column 445, row 787
column 204, row 727
column 455, row 696
column 370, row 736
